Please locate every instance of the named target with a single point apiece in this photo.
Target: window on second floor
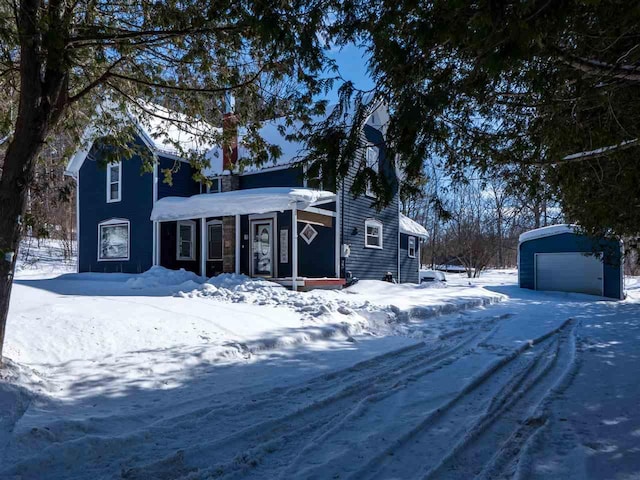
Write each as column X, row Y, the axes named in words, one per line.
column 373, row 234
column 321, row 180
column 372, row 163
column 411, row 250
column 186, row 240
column 114, row 182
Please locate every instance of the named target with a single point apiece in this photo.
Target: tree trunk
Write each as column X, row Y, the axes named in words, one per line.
column 17, row 172
column 42, row 101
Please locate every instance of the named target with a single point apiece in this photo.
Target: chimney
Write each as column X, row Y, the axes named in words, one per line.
column 229, row 142
column 229, row 135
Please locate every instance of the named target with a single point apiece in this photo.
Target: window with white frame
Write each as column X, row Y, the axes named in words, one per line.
column 372, row 163
column 186, row 240
column 114, row 182
column 113, row 240
column 216, row 185
column 372, row 234
column 411, row 250
column 214, row 240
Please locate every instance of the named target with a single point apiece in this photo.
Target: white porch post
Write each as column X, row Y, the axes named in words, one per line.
column 154, row 256
column 156, row 234
column 203, row 246
column 77, row 178
column 338, row 230
column 237, row 244
column 294, row 248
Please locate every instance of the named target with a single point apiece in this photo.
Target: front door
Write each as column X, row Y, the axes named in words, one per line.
column 262, row 248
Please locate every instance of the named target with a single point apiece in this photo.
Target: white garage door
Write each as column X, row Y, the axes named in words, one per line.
column 569, row 272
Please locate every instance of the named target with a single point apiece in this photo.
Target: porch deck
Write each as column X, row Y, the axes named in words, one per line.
column 305, row 284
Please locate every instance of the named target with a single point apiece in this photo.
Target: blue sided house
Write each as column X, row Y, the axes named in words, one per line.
column 266, row 222
column 560, row 258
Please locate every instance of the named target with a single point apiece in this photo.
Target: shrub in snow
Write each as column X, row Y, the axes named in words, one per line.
column 432, row 276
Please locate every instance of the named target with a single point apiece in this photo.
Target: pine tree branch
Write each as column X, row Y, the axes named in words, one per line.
column 122, row 34
column 600, row 152
column 97, row 81
column 164, row 86
column 598, row 68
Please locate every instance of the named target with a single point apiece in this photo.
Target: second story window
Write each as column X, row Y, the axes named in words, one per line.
column 372, row 163
column 114, row 182
column 186, row 240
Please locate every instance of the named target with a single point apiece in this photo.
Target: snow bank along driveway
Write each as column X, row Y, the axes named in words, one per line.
column 161, row 376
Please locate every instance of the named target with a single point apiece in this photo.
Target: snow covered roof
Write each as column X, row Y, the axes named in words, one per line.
column 237, row 202
column 548, row 231
column 270, row 133
column 174, row 134
column 170, row 132
column 164, row 131
column 410, row 227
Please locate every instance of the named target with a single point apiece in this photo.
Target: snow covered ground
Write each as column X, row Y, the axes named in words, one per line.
column 163, row 376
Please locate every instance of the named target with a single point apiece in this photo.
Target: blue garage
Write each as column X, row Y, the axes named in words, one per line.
column 559, row 258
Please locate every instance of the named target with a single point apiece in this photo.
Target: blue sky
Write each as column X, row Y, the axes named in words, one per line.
column 352, row 63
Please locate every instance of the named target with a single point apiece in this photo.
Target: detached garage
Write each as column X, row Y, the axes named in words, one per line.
column 559, row 258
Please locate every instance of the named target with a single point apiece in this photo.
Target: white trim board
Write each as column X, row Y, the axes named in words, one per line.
column 320, row 211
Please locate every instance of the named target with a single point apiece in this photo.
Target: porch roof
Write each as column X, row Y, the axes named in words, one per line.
column 238, row 202
column 411, row 227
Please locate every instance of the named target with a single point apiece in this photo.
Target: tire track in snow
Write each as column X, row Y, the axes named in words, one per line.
column 508, row 462
column 194, row 421
column 250, row 445
column 399, row 459
column 476, row 450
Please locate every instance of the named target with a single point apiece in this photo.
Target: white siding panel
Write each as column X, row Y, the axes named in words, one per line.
column 569, row 272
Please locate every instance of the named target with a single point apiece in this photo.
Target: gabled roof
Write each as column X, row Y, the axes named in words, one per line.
column 165, row 132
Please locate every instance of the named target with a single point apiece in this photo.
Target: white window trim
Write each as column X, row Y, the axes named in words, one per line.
column 410, row 241
column 115, row 221
column 192, row 225
column 215, row 222
column 119, row 182
column 375, row 223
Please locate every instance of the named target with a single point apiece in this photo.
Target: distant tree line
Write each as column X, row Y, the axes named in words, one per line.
column 475, row 223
